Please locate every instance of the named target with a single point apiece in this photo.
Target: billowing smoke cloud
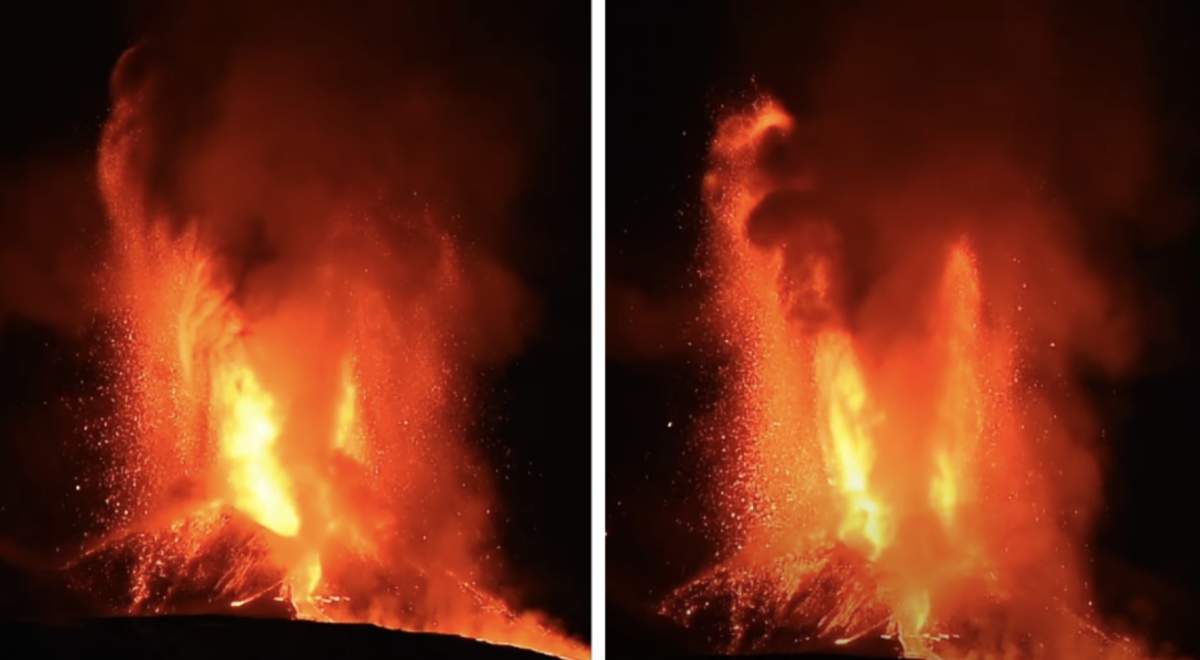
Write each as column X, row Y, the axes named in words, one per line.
column 290, row 140
column 1024, row 128
column 311, row 224
column 921, row 241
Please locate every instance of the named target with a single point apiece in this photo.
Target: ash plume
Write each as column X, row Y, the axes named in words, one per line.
column 309, row 271
column 302, row 139
column 1026, row 127
column 921, row 240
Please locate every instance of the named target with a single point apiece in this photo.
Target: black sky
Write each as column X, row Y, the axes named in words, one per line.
column 533, row 429
column 673, row 69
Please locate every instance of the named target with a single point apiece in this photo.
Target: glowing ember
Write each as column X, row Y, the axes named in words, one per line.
column 305, row 451
column 885, row 481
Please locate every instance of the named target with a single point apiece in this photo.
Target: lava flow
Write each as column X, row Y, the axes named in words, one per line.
column 290, row 436
column 899, row 475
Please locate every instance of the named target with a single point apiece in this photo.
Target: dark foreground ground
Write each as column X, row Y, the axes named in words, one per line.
column 643, row 634
column 760, row 656
column 223, row 638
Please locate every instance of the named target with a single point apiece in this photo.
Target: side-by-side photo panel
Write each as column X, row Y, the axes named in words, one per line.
column 294, row 330
column 900, row 299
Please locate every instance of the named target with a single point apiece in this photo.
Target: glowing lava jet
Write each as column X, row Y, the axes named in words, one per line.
column 298, row 453
column 886, row 484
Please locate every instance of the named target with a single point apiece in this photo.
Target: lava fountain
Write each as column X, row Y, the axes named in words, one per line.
column 895, row 476
column 291, row 434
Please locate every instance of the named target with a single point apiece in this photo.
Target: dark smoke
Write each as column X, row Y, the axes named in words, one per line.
column 295, row 139
column 1025, row 128
column 290, row 138
column 1032, row 130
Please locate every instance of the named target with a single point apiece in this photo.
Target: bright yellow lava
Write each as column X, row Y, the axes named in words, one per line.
column 961, row 409
column 848, row 440
column 248, row 431
column 348, row 435
column 943, row 489
column 911, row 617
column 302, row 583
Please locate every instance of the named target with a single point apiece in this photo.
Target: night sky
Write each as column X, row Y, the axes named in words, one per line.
column 533, row 428
column 673, row 69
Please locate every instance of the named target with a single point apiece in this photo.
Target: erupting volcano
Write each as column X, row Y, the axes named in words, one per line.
column 902, row 470
column 295, row 346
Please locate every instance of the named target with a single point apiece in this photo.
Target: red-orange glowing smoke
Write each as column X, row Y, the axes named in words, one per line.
column 297, row 344
column 897, row 473
column 906, row 284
